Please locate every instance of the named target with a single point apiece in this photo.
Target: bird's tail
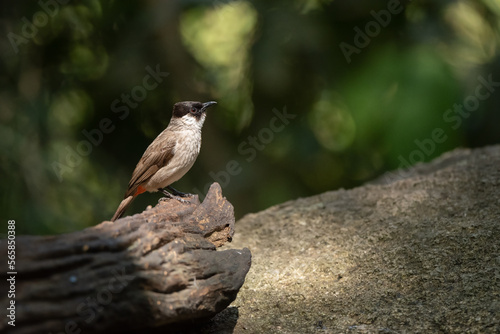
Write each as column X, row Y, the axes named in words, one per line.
column 122, row 207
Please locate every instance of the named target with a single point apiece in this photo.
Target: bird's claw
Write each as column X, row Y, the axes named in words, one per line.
column 178, row 193
column 162, row 199
column 182, row 200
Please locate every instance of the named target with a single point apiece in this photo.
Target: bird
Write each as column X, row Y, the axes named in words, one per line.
column 170, row 156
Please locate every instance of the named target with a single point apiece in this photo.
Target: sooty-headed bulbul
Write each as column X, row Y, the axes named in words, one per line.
column 169, row 156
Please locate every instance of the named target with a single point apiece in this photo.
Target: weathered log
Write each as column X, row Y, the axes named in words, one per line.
column 146, row 270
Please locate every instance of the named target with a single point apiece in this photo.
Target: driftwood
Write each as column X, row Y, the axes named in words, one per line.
column 147, row 270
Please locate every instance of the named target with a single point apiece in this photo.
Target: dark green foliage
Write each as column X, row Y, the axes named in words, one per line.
column 370, row 87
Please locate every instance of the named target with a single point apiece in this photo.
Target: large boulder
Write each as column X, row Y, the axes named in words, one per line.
column 414, row 252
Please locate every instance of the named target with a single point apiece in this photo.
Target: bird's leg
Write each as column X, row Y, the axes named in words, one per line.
column 178, row 193
column 169, row 196
column 166, row 193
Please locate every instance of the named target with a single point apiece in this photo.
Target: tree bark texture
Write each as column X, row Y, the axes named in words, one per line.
column 146, row 270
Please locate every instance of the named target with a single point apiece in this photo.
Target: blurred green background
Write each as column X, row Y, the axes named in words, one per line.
column 363, row 82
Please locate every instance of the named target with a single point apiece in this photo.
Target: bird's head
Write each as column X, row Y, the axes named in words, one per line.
column 191, row 112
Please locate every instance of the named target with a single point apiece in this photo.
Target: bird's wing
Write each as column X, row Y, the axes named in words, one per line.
column 157, row 155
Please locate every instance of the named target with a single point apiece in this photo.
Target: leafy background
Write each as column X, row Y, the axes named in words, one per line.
column 354, row 119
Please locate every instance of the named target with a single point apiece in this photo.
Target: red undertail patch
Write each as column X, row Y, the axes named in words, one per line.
column 140, row 190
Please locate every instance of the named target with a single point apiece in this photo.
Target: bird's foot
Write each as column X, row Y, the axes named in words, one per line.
column 180, row 199
column 176, row 197
column 178, row 193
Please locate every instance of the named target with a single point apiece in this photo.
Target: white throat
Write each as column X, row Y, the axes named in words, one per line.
column 187, row 122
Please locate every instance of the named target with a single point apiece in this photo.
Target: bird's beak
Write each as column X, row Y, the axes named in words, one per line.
column 207, row 104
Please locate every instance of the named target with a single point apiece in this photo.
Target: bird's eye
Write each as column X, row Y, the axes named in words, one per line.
column 193, row 109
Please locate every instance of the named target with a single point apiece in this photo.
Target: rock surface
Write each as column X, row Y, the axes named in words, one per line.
column 413, row 252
